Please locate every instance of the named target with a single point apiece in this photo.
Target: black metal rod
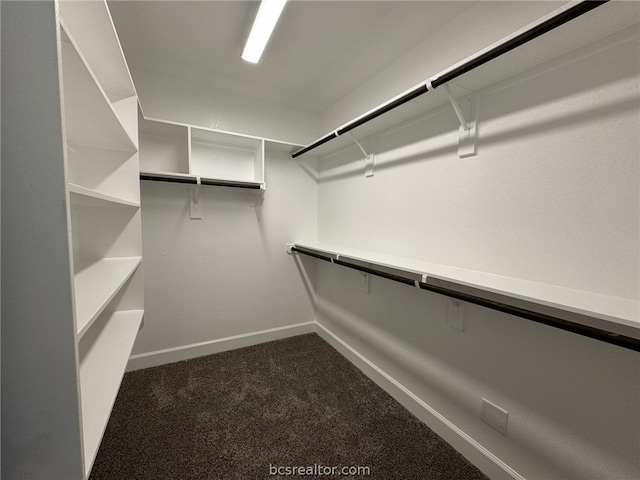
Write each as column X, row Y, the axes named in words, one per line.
column 315, row 144
column 166, row 179
column 230, row 183
column 584, row 330
column 203, row 181
column 544, row 27
column 524, row 37
column 415, row 92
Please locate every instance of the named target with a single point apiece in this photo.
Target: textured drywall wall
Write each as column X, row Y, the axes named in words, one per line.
column 226, row 274
column 551, row 196
column 175, row 100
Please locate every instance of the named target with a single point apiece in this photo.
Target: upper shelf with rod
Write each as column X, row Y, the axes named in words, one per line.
column 470, row 77
column 180, row 153
column 606, row 318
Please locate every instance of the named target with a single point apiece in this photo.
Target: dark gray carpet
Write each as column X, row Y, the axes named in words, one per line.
column 243, row 413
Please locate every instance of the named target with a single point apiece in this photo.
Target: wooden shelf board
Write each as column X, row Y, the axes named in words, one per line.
column 91, row 198
column 97, row 284
column 102, row 365
column 91, row 25
column 90, row 116
column 615, row 310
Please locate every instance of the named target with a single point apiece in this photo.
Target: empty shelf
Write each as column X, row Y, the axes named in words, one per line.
column 104, row 354
column 614, row 316
column 97, row 284
column 92, row 198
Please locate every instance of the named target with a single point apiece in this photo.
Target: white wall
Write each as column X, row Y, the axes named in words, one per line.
column 556, row 177
column 211, row 284
column 475, row 28
column 199, row 104
column 443, row 48
column 552, row 196
column 227, row 274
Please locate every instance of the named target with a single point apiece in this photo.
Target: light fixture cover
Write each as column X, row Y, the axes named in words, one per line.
column 263, row 25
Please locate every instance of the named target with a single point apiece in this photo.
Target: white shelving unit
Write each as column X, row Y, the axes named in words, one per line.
column 90, row 136
column 164, row 147
column 184, row 153
column 100, row 107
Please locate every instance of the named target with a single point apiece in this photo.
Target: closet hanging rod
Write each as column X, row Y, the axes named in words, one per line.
column 555, row 19
column 584, row 330
column 203, row 181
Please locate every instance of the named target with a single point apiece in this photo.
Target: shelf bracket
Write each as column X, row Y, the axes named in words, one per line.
column 456, row 107
column 196, row 207
column 258, row 198
column 467, row 130
column 368, row 158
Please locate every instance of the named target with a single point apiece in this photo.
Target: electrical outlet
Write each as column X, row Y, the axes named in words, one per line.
column 455, row 314
column 494, row 416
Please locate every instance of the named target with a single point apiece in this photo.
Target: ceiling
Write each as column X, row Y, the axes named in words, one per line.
column 319, row 52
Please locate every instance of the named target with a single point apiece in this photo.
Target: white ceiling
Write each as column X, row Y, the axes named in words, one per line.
column 319, row 52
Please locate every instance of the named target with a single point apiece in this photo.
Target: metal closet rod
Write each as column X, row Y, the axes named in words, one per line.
column 203, row 181
column 585, row 330
column 453, row 72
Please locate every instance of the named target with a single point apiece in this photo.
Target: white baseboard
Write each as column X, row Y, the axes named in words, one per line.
column 185, row 352
column 484, row 460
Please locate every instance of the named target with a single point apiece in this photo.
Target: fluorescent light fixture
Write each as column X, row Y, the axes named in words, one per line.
column 263, row 25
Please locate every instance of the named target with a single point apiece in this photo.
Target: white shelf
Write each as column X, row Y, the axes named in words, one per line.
column 224, row 156
column 178, row 152
column 104, row 353
column 91, row 25
column 126, row 110
column 89, row 116
column 163, row 146
column 87, row 197
column 110, row 172
column 97, row 284
column 611, row 311
column 604, row 21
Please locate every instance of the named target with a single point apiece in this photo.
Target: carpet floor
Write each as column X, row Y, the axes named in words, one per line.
column 261, row 411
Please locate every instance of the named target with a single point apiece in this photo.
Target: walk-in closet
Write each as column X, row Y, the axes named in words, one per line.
column 399, row 239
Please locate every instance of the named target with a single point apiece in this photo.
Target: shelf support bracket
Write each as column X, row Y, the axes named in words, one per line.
column 258, row 198
column 368, row 158
column 456, row 107
column 196, row 207
column 467, row 130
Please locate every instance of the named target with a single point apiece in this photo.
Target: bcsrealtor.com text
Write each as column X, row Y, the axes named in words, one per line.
column 316, row 470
